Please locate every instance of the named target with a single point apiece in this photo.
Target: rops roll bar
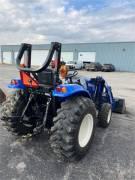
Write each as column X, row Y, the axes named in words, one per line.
column 55, row 46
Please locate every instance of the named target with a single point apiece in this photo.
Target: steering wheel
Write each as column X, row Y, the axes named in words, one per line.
column 70, row 76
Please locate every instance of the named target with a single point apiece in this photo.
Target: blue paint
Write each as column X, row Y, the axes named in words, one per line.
column 72, row 90
column 97, row 90
column 93, row 90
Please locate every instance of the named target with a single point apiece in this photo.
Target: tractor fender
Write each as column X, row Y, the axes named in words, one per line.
column 70, row 90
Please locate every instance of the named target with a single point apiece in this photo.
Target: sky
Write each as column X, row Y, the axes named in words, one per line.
column 66, row 21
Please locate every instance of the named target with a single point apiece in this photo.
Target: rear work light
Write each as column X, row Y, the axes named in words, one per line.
column 61, row 89
column 14, row 82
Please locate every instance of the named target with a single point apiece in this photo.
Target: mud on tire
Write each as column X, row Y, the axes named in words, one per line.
column 64, row 138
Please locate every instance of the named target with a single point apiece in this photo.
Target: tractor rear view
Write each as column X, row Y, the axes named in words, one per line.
column 69, row 106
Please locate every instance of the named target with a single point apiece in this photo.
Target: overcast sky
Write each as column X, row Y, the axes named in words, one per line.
column 43, row 21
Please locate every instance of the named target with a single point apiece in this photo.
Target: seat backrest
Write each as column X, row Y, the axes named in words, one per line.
column 46, row 77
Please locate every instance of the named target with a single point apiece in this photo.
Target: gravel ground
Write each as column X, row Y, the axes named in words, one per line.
column 111, row 157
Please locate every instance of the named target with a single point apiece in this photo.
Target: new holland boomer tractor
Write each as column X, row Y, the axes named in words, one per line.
column 69, row 106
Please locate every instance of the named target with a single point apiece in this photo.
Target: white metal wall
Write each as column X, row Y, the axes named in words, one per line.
column 7, row 57
column 67, row 56
column 87, row 56
column 37, row 57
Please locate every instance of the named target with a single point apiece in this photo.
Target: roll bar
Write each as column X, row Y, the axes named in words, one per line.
column 55, row 46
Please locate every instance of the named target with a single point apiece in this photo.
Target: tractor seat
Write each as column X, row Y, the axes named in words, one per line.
column 46, row 77
column 80, row 79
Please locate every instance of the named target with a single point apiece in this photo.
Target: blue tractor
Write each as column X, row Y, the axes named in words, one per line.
column 70, row 107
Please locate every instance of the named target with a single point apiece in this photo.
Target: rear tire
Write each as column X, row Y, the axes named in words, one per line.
column 2, row 96
column 73, row 130
column 105, row 115
column 14, row 106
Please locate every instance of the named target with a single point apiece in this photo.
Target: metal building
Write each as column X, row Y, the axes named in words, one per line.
column 121, row 54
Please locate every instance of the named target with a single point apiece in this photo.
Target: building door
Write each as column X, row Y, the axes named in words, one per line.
column 38, row 57
column 7, row 57
column 67, row 56
column 87, row 56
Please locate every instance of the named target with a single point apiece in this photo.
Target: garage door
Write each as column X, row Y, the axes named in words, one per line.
column 38, row 57
column 87, row 56
column 7, row 57
column 67, row 56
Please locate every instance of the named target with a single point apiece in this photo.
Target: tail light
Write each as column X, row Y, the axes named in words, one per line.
column 14, row 82
column 54, row 64
column 61, row 89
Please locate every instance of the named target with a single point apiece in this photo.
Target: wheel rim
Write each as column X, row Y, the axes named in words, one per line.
column 85, row 131
column 109, row 116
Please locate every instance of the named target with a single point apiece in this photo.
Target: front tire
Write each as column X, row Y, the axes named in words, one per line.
column 105, row 115
column 73, row 130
